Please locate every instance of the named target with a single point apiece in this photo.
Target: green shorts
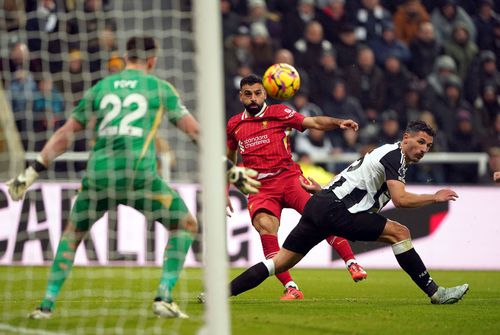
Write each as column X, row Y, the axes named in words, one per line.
column 152, row 197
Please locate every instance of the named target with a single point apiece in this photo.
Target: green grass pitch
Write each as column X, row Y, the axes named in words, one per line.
column 117, row 300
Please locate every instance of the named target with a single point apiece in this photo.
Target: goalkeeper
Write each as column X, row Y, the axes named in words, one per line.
column 127, row 109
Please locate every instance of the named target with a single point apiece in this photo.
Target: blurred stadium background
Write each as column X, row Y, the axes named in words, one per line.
column 381, row 63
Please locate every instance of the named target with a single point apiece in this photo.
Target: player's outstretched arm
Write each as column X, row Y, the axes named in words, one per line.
column 190, row 126
column 402, row 199
column 57, row 144
column 328, row 123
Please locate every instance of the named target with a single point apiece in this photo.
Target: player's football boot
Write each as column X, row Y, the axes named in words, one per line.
column 357, row 272
column 40, row 314
column 165, row 309
column 292, row 293
column 449, row 295
column 201, row 298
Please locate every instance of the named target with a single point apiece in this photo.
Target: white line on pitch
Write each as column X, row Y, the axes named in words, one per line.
column 21, row 330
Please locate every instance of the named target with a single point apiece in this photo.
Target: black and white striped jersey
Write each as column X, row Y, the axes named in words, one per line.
column 362, row 186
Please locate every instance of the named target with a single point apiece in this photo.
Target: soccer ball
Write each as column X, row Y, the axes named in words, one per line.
column 281, row 81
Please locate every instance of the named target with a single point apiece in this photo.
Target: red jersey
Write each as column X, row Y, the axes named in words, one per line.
column 263, row 140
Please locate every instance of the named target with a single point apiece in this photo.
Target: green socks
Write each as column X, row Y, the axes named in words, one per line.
column 61, row 267
column 173, row 262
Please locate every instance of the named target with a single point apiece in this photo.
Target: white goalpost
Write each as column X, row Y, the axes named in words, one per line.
column 207, row 31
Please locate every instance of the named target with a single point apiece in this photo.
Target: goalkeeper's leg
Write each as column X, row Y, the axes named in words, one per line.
column 167, row 207
column 179, row 242
column 83, row 214
column 63, row 263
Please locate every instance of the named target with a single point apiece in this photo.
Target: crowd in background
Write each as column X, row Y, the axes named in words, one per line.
column 380, row 63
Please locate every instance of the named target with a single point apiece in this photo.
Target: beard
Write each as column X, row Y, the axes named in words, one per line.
column 253, row 108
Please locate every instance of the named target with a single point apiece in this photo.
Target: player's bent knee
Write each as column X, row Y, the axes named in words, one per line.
column 190, row 224
column 401, row 232
column 265, row 224
column 394, row 232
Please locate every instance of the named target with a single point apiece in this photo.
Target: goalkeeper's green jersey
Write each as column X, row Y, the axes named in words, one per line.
column 128, row 108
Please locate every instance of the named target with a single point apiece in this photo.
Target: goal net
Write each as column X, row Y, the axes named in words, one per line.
column 51, row 53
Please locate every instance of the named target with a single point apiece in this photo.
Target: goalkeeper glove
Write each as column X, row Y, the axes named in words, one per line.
column 19, row 185
column 243, row 179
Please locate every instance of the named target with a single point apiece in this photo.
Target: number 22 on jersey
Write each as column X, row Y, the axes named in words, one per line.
column 116, row 113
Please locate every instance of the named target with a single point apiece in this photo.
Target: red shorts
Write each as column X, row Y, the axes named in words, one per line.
column 278, row 192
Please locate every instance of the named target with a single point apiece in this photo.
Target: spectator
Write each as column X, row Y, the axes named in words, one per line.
column 387, row 44
column 461, row 48
column 43, row 36
column 389, row 131
column 492, row 139
column 315, row 143
column 19, row 59
column 483, row 71
column 484, row 21
column 261, row 47
column 115, row 63
column 347, row 47
column 408, row 18
column 447, row 105
column 295, row 22
column 341, row 105
column 48, row 112
column 230, row 20
column 369, row 20
column 463, row 139
column 444, row 67
column 309, row 49
column 237, row 51
column 258, row 12
column 396, row 78
column 311, row 170
column 333, row 17
column 90, row 22
column 324, row 76
column 410, row 107
column 487, row 106
column 446, row 16
column 496, row 41
column 15, row 17
column 21, row 89
column 424, row 50
column 75, row 83
column 366, row 83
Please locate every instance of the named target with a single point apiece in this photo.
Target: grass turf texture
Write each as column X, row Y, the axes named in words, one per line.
column 117, row 300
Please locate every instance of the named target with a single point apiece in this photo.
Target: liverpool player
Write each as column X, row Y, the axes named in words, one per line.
column 260, row 135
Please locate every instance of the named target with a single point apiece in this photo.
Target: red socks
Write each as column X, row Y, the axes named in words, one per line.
column 342, row 246
column 271, row 247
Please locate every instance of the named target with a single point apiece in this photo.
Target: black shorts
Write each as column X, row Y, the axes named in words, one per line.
column 326, row 215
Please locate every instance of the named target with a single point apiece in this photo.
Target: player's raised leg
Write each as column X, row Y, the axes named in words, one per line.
column 343, row 248
column 255, row 275
column 409, row 260
column 267, row 225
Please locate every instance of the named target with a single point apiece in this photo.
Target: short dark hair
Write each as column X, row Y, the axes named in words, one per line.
column 250, row 80
column 416, row 126
column 141, row 47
